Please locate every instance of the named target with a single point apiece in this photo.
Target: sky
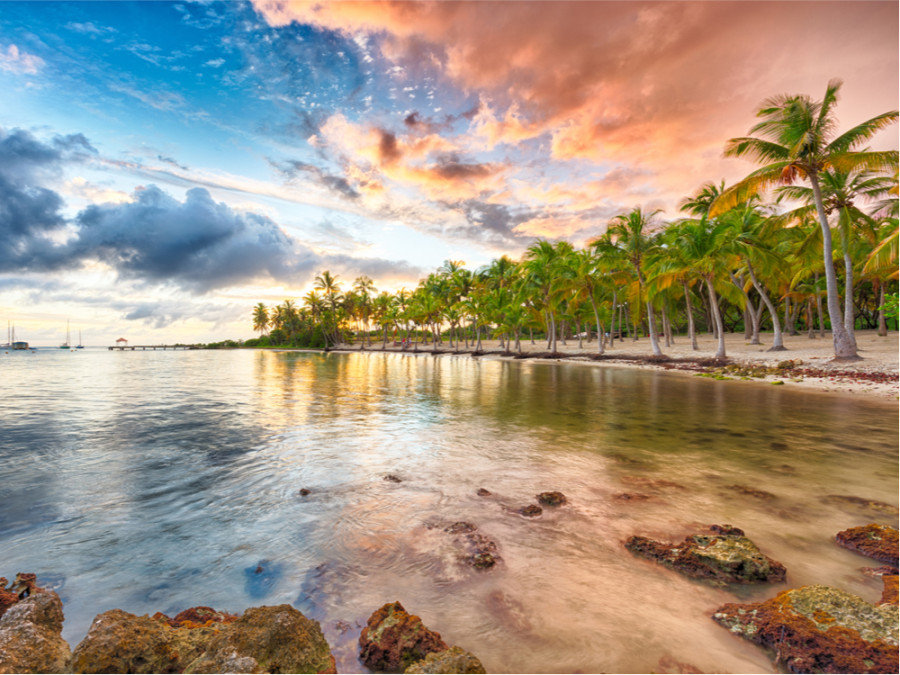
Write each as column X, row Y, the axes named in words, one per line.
column 164, row 166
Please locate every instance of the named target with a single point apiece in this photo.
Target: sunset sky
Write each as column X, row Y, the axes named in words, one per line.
column 165, row 166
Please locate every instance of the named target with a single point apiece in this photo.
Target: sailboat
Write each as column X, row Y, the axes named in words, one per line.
column 80, row 345
column 65, row 345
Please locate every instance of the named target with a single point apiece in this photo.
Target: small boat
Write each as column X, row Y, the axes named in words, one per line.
column 65, row 345
column 79, row 345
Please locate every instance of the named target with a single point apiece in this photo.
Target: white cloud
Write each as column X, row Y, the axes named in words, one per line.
column 15, row 61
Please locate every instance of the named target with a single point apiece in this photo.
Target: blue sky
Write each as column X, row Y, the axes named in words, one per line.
column 166, row 165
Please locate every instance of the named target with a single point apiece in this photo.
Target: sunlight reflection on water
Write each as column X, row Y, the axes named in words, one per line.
column 160, row 480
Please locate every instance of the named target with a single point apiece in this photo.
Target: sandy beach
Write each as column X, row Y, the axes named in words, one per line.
column 876, row 375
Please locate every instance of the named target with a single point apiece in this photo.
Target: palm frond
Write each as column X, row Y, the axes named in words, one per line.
column 747, row 188
column 756, row 149
column 884, row 256
column 861, row 132
column 873, row 160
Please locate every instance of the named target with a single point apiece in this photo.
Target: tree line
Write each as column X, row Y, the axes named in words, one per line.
column 820, row 254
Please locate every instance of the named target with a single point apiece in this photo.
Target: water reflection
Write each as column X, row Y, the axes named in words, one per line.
column 160, row 480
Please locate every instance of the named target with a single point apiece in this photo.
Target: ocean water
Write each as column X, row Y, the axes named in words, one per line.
column 157, row 481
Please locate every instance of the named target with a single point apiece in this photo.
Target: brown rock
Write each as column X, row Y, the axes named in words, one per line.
column 394, row 639
column 530, row 511
column 818, row 629
column 453, row 660
column 31, row 636
column 891, row 593
column 722, row 558
column 875, row 541
column 552, row 498
column 483, row 492
column 275, row 639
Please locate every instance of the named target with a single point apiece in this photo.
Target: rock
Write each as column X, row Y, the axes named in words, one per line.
column 726, row 529
column 475, row 549
column 120, row 642
column 24, row 585
column 393, row 640
column 878, row 571
column 849, row 502
column 818, row 629
column 722, row 558
column 633, row 497
column 276, row 639
column 460, row 527
column 453, row 660
column 260, row 579
column 891, row 593
column 751, row 492
column 391, row 478
column 304, row 492
column 875, row 541
column 651, row 483
column 552, row 498
column 31, row 635
column 195, row 617
column 484, row 493
column 530, row 511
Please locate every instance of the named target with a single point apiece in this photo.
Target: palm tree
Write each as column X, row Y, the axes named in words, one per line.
column 628, row 232
column 797, row 141
column 330, row 287
column 260, row 318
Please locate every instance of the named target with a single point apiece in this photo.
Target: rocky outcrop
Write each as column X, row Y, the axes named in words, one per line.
column 530, row 511
column 818, row 629
column 891, row 593
column 722, row 555
column 120, row 642
column 393, row 640
column 453, row 660
column 878, row 542
column 31, row 634
column 552, row 498
column 24, row 585
column 275, row 639
column 476, row 549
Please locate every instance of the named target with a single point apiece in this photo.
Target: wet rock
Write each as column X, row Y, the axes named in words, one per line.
column 475, row 549
column 304, row 492
column 453, row 660
column 393, row 640
column 552, row 498
column 891, row 593
column 878, row 542
column 391, row 478
column 726, row 529
column 460, row 527
column 484, row 493
column 260, row 579
column 276, row 639
column 752, row 492
column 633, row 497
column 722, row 558
column 197, row 616
column 878, row 571
column 508, row 611
column 818, row 629
column 855, row 504
column 120, row 642
column 530, row 511
column 7, row 598
column 31, row 635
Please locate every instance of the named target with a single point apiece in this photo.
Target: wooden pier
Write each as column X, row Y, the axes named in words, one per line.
column 143, row 348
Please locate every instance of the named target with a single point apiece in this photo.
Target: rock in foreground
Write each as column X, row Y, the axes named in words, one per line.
column 878, row 542
column 453, row 660
column 31, row 635
column 723, row 555
column 818, row 629
column 393, row 640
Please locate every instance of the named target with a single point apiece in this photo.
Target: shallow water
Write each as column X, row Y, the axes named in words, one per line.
column 155, row 481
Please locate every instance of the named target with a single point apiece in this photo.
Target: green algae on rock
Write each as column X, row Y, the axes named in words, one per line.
column 819, row 629
column 724, row 555
column 878, row 542
column 453, row 660
column 393, row 639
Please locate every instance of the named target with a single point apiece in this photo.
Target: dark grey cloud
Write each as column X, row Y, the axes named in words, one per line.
column 171, row 162
column 337, row 184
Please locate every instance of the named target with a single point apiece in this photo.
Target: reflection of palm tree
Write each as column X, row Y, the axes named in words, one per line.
column 797, row 142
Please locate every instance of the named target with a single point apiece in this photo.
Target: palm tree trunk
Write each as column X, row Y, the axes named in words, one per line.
column 692, row 333
column 751, row 324
column 777, row 338
column 600, row 339
column 844, row 347
column 552, row 333
column 849, row 312
column 882, row 324
column 717, row 317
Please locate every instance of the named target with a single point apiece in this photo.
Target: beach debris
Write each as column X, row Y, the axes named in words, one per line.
column 277, row 639
column 878, row 542
column 818, row 629
column 482, row 492
column 260, row 579
column 31, row 631
column 530, row 511
column 393, row 639
column 721, row 555
column 453, row 660
column 552, row 498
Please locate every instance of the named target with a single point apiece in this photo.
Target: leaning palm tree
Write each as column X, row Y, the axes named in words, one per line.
column 260, row 318
column 797, row 141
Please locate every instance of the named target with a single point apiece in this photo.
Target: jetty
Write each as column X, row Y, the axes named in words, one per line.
column 143, row 348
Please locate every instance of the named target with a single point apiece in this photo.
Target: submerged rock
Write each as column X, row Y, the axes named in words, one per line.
column 849, row 502
column 552, row 498
column 391, row 478
column 31, row 635
column 482, row 492
column 453, row 660
column 474, row 548
column 878, row 542
column 393, row 640
column 718, row 556
column 275, row 639
column 818, row 629
column 751, row 492
column 530, row 511
column 633, row 497
column 260, row 579
column 304, row 492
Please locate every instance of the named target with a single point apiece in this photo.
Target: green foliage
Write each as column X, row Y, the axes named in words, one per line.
column 890, row 306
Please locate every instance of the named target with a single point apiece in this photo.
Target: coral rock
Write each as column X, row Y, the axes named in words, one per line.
column 31, row 635
column 722, row 558
column 394, row 639
column 453, row 660
column 875, row 541
column 891, row 593
column 552, row 498
column 530, row 511
column 275, row 639
column 818, row 629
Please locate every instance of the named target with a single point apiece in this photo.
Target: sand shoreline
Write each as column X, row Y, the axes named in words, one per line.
column 875, row 376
